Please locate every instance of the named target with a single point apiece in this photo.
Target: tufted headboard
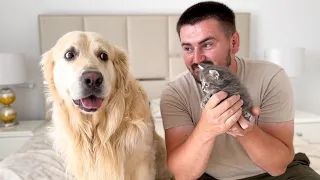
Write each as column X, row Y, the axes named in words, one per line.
column 151, row 41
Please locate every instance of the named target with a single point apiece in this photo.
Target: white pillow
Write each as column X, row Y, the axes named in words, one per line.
column 155, row 107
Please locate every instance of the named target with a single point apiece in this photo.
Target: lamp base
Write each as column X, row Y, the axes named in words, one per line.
column 9, row 124
column 7, row 113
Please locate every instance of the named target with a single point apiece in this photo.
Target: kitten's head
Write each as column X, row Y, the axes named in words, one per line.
column 213, row 78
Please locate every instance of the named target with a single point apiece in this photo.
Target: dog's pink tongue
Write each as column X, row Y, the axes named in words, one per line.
column 91, row 102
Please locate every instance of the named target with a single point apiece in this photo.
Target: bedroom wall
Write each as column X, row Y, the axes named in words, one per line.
column 274, row 23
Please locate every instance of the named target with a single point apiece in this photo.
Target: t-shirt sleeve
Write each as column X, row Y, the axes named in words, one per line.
column 277, row 102
column 174, row 111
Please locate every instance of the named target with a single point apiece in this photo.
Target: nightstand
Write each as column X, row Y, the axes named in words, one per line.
column 307, row 126
column 13, row 138
column 307, row 138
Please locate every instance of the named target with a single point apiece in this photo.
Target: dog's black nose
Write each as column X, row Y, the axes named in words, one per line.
column 92, row 79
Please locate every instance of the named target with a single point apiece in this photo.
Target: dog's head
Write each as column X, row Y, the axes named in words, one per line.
column 83, row 68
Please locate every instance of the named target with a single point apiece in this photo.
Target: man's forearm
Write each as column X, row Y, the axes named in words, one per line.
column 266, row 151
column 189, row 160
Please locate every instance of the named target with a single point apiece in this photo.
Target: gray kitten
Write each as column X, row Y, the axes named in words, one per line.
column 217, row 78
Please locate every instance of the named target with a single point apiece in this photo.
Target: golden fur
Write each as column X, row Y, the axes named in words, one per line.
column 116, row 142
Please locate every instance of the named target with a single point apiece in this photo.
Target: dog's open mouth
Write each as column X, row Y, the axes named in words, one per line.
column 89, row 104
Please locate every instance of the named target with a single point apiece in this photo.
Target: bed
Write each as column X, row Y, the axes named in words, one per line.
column 153, row 64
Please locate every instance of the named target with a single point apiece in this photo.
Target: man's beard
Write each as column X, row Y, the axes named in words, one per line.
column 208, row 61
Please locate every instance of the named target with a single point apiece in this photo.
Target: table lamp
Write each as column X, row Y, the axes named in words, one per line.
column 290, row 59
column 12, row 71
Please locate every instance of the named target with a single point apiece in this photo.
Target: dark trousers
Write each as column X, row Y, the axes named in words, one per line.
column 298, row 169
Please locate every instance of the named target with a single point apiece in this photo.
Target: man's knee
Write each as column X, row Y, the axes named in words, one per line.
column 300, row 169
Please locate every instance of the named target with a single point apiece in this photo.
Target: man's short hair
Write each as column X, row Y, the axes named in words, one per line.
column 205, row 10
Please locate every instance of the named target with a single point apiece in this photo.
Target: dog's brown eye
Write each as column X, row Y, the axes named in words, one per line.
column 69, row 55
column 104, row 56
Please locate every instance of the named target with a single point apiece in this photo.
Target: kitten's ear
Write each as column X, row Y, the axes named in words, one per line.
column 214, row 73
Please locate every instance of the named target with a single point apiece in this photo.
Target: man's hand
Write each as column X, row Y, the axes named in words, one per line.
column 243, row 126
column 219, row 115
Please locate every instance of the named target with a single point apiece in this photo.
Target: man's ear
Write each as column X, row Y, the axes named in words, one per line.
column 235, row 43
column 214, row 74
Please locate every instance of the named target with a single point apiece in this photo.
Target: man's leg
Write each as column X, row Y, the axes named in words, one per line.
column 299, row 169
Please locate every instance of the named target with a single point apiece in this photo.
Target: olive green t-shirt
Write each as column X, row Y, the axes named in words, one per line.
column 269, row 88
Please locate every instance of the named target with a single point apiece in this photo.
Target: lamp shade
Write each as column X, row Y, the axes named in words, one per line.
column 12, row 69
column 290, row 59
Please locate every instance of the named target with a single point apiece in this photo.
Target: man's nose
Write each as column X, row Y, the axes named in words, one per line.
column 198, row 56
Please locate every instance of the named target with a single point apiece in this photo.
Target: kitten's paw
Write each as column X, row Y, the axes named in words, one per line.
column 248, row 116
column 205, row 100
column 207, row 97
column 203, row 104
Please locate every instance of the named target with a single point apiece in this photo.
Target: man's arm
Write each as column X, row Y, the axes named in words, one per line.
column 189, row 147
column 270, row 142
column 270, row 146
column 185, row 149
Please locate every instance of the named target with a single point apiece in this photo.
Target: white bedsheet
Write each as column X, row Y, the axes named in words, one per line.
column 312, row 151
column 38, row 161
column 35, row 161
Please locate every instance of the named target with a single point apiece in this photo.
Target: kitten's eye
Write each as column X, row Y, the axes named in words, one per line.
column 104, row 56
column 69, row 55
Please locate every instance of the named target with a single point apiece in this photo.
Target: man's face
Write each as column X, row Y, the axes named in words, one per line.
column 205, row 41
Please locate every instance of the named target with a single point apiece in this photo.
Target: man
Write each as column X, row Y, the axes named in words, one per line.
column 217, row 142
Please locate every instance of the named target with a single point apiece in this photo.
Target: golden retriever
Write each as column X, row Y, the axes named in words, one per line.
column 102, row 123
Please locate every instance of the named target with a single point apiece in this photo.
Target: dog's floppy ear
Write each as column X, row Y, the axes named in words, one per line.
column 121, row 65
column 47, row 65
column 121, row 56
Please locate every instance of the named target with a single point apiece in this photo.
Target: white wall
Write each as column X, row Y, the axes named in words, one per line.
column 274, row 23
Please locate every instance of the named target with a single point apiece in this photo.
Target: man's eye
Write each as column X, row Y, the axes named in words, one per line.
column 207, row 45
column 187, row 48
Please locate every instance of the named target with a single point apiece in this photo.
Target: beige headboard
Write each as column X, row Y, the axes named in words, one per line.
column 150, row 40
